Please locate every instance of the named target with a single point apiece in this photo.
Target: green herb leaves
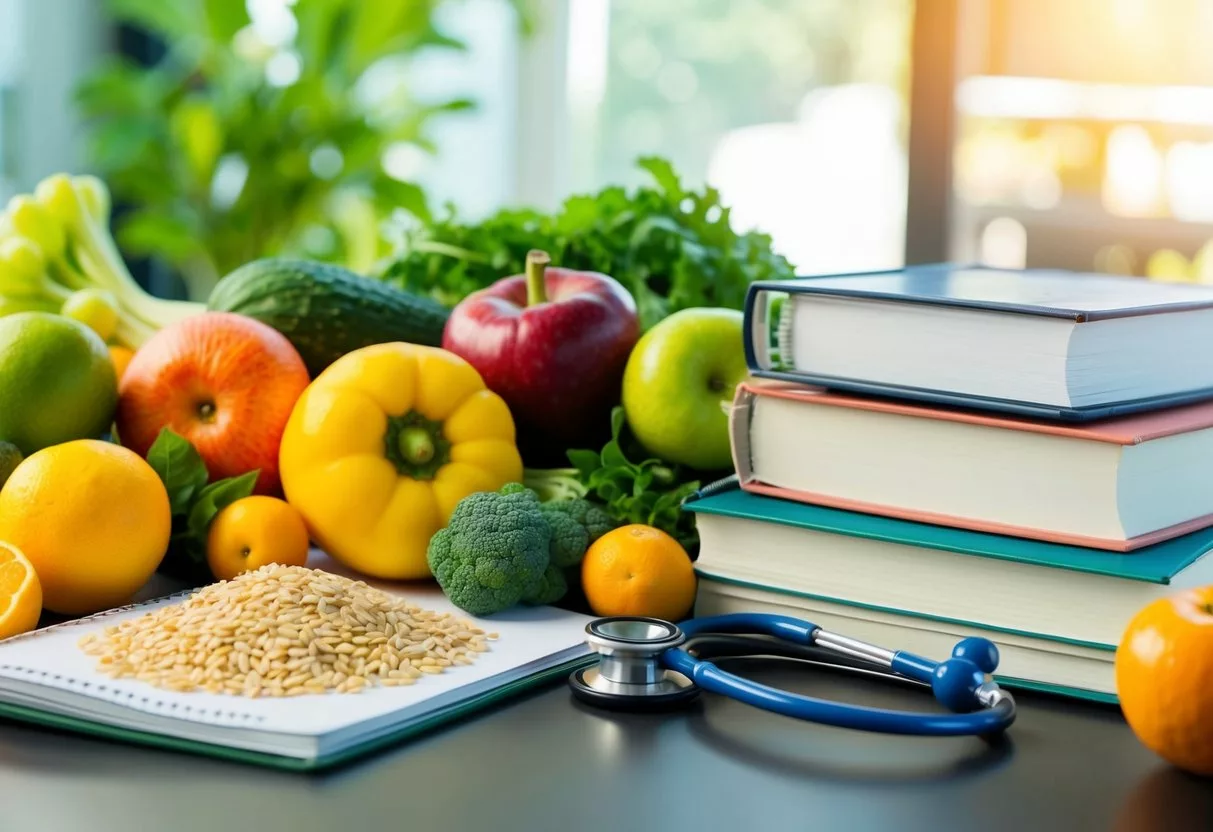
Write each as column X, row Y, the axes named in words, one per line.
column 649, row 491
column 673, row 248
column 194, row 502
column 180, row 467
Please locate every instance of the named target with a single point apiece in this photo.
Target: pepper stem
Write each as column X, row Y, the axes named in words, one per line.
column 416, row 445
column 536, row 264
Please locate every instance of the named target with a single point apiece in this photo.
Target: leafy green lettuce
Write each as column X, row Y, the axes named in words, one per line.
column 672, row 247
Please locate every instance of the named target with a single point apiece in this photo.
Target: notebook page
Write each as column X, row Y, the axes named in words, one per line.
column 52, row 659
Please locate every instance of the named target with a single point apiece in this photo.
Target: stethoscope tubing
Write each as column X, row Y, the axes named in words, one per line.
column 641, row 650
column 709, row 677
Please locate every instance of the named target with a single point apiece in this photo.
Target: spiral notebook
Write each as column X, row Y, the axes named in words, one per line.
column 46, row 679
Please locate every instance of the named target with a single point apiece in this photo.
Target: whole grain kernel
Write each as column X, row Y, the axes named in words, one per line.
column 285, row 631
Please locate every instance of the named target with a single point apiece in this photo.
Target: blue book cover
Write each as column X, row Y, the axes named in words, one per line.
column 1157, row 564
column 1080, row 298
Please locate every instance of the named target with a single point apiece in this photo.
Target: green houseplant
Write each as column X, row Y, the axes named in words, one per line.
column 235, row 145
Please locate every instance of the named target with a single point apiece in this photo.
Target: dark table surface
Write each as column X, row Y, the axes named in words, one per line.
column 546, row 762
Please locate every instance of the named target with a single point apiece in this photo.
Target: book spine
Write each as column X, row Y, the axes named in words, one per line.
column 739, row 433
column 756, row 328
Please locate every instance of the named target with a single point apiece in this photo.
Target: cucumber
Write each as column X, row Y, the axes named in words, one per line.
column 325, row 310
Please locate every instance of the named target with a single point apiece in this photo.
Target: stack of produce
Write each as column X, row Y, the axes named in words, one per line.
column 528, row 442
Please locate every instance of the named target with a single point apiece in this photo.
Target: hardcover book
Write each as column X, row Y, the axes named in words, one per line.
column 1041, row 342
column 1024, row 661
column 1118, row 484
column 1067, row 594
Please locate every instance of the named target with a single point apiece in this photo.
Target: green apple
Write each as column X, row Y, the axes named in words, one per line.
column 678, row 383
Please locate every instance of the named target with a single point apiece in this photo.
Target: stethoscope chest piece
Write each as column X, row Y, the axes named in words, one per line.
column 629, row 674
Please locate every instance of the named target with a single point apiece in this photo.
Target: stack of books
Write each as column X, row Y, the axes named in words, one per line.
column 943, row 451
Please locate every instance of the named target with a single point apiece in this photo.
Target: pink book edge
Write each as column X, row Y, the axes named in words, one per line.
column 739, row 418
column 1125, row 430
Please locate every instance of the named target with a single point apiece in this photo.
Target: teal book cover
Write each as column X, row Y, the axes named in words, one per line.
column 1157, row 564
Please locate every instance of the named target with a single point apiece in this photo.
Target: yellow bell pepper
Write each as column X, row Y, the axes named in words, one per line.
column 383, row 444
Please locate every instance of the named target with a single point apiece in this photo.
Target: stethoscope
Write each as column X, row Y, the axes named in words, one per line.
column 647, row 663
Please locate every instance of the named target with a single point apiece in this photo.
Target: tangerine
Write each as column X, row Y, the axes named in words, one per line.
column 1164, row 675
column 638, row 570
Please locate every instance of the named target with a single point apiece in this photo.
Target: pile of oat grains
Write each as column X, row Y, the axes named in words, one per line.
column 285, row 631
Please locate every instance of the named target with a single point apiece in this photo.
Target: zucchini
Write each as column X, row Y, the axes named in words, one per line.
column 325, row 310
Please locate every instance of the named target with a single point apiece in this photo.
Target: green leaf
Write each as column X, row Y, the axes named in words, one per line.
column 225, row 18
column 618, row 417
column 146, row 232
column 199, row 135
column 612, row 456
column 392, row 193
column 179, row 466
column 586, row 462
column 216, row 497
column 322, row 25
column 124, row 142
column 163, row 17
column 115, row 88
column 663, row 172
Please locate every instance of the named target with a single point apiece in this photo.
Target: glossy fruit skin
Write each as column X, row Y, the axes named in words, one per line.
column 254, row 532
column 326, row 310
column 638, row 570
column 677, row 381
column 1164, row 678
column 558, row 364
column 342, row 465
column 20, row 606
column 223, row 381
column 56, row 381
column 92, row 517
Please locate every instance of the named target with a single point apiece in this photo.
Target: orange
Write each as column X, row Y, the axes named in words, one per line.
column 20, row 593
column 253, row 532
column 225, row 382
column 92, row 517
column 1164, row 678
column 121, row 356
column 638, row 570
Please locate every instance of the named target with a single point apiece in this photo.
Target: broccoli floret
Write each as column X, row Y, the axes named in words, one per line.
column 493, row 552
column 551, row 589
column 569, row 539
column 592, row 518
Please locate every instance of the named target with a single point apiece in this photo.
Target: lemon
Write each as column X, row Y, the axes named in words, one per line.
column 20, row 593
column 57, row 381
column 94, row 520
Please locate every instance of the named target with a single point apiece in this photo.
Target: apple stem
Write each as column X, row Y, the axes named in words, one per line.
column 536, row 264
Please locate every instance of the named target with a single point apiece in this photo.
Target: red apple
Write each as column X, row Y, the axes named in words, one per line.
column 553, row 343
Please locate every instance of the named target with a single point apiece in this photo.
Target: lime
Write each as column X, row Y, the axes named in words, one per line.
column 10, row 458
column 56, row 381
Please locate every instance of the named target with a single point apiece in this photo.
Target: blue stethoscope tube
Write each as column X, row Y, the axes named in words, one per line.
column 979, row 706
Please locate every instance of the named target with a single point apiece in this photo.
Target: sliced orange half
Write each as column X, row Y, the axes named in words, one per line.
column 20, row 593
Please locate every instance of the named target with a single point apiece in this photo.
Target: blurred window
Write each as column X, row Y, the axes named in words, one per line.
column 1088, row 126
column 795, row 111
